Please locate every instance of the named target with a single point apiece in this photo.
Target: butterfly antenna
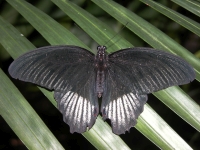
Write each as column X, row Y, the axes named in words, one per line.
column 116, row 35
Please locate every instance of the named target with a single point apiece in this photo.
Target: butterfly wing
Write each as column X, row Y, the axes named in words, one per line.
column 120, row 104
column 69, row 71
column 52, row 67
column 146, row 70
column 131, row 75
column 79, row 105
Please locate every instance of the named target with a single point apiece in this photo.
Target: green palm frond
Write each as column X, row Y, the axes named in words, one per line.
column 20, row 115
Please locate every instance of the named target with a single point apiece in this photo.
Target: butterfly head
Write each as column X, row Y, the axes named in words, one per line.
column 101, row 50
column 101, row 53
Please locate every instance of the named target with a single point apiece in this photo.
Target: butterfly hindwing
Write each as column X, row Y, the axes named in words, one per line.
column 79, row 105
column 119, row 104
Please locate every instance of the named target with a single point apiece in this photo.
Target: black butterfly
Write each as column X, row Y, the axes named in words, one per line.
column 123, row 79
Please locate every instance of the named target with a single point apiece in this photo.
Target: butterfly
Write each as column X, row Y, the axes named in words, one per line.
column 122, row 79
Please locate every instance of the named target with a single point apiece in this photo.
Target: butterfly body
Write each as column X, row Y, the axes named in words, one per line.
column 123, row 79
column 101, row 66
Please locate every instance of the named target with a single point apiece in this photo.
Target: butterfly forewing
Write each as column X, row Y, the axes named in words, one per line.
column 53, row 67
column 146, row 70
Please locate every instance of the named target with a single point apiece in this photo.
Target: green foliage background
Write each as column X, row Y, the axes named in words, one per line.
column 28, row 118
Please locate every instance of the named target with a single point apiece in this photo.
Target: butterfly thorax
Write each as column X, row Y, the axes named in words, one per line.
column 100, row 59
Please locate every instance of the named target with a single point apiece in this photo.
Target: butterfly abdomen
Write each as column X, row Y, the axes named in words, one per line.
column 100, row 82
